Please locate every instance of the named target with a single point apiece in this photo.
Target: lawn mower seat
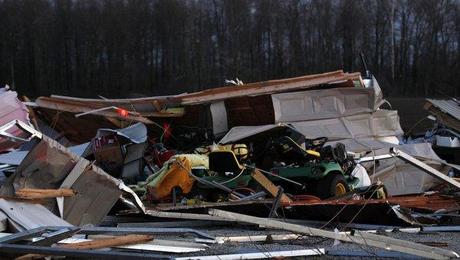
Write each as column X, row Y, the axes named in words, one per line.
column 315, row 144
column 223, row 162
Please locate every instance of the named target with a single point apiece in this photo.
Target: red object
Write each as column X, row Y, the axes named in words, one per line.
column 166, row 131
column 164, row 156
column 122, row 112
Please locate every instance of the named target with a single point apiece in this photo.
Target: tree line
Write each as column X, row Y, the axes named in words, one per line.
column 121, row 48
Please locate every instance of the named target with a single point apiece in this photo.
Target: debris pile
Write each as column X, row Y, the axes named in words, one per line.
column 198, row 175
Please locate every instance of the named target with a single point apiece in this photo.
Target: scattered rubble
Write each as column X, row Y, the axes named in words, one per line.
column 316, row 156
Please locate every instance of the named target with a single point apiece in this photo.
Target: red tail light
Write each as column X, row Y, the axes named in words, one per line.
column 122, row 112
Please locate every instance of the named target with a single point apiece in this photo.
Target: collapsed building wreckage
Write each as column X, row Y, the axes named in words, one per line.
column 317, row 147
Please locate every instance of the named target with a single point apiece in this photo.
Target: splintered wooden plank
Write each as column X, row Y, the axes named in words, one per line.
column 110, row 242
column 269, row 186
column 266, row 87
column 27, row 193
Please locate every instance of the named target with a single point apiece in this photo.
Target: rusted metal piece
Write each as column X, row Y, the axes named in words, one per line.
column 431, row 202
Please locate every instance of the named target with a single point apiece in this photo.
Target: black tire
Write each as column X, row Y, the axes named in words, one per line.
column 327, row 187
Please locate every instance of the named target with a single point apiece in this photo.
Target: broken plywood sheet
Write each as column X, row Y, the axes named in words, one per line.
column 96, row 193
column 44, row 167
column 322, row 104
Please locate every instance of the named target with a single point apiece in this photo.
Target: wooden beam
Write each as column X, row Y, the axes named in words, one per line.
column 27, row 193
column 110, row 242
column 373, row 240
column 68, row 106
column 265, row 87
column 269, row 186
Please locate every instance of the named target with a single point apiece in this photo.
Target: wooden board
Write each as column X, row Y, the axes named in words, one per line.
column 110, row 242
column 269, row 186
column 43, row 193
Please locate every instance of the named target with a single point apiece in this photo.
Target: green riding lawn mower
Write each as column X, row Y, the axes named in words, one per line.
column 316, row 169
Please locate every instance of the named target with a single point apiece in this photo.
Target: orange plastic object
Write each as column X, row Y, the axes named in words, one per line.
column 177, row 175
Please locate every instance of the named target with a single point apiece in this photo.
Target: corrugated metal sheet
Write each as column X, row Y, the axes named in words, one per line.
column 447, row 106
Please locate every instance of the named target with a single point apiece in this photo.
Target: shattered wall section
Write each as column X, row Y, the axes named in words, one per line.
column 50, row 165
column 322, row 104
column 382, row 123
column 96, row 193
column 44, row 167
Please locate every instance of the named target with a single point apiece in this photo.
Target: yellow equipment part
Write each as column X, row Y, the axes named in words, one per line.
column 241, row 151
column 197, row 160
column 314, row 153
column 175, row 175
